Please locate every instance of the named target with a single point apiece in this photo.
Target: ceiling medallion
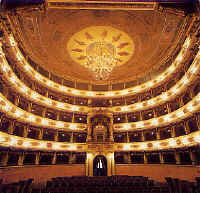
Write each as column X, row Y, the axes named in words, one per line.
column 100, row 49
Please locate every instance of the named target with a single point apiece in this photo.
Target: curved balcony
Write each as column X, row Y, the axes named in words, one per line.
column 102, row 94
column 186, row 80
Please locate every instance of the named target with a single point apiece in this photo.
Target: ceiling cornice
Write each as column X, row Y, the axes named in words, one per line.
column 97, row 5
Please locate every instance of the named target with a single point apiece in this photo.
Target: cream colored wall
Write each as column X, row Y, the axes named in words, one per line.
column 158, row 172
column 40, row 173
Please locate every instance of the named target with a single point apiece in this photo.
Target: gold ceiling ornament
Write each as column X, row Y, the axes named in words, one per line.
column 100, row 49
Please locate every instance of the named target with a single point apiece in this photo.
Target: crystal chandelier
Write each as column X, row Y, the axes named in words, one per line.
column 101, row 59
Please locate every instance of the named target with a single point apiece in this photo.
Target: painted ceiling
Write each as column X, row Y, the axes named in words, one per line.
column 52, row 39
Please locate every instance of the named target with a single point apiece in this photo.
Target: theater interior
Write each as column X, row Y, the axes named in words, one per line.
column 99, row 96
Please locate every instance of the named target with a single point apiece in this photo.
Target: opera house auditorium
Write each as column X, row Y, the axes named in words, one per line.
column 99, row 96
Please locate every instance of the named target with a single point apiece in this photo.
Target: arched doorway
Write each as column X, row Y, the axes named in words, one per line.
column 100, row 166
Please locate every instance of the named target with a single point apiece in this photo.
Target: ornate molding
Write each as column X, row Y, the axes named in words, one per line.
column 97, row 5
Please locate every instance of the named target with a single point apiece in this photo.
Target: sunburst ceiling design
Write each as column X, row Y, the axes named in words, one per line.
column 100, row 49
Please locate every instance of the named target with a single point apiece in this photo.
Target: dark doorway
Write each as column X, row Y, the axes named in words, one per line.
column 100, row 166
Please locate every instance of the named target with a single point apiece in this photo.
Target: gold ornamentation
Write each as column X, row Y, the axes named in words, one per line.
column 100, row 49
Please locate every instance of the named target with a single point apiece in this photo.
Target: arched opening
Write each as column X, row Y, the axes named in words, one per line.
column 100, row 166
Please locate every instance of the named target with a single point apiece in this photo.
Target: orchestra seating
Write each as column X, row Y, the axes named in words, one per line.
column 104, row 184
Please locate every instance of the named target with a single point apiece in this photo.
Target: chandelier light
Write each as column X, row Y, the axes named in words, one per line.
column 101, row 59
column 100, row 49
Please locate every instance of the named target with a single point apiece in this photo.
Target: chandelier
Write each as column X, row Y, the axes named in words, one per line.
column 101, row 59
column 100, row 49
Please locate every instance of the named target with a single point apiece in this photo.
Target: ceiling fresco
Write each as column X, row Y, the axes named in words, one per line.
column 54, row 40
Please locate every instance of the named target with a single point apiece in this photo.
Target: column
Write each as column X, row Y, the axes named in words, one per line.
column 157, row 134
column 154, row 113
column 127, row 137
column 110, row 164
column 140, row 116
column 54, row 158
column 126, row 118
column 142, row 136
column 111, row 138
column 56, row 136
column 145, row 158
column 127, row 157
column 181, row 103
column 73, row 118
column 20, row 159
column 72, row 137
column 110, row 102
column 57, row 115
column 192, row 157
column 89, row 102
column 186, row 128
column 177, row 157
column 197, row 118
column 161, row 158
column 16, row 101
column 46, row 94
column 5, row 92
column 191, row 92
column 168, row 108
column 40, row 136
column 5, row 159
column 89, row 138
column 11, row 127
column 25, row 131
column 70, row 158
column 37, row 158
column 89, row 164
column 44, row 112
column 173, row 133
column 29, row 107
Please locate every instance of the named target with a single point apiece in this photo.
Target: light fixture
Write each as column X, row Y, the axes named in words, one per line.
column 26, row 144
column 185, row 141
column 126, row 147
column 13, row 141
column 143, row 145
column 18, row 113
column 164, row 96
column 60, row 124
column 19, row 56
column 155, row 122
column 101, row 59
column 197, row 138
column 31, row 118
column 42, row 145
column 60, row 105
column 156, row 145
column 140, row 125
column 2, row 139
column 172, row 142
column 126, row 126
column 7, row 107
column 44, row 122
column 103, row 48
column 13, row 79
column 4, row 68
column 180, row 114
column 167, row 118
